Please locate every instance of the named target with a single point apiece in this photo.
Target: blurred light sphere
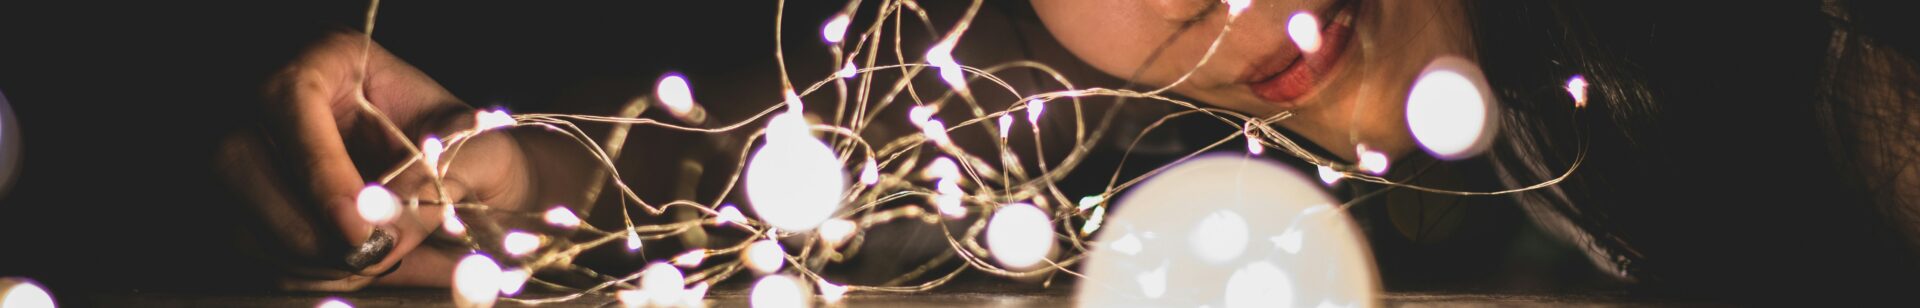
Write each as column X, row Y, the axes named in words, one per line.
column 1229, row 231
column 1451, row 110
column 793, row 181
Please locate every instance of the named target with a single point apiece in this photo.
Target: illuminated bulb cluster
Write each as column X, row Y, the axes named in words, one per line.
column 1451, row 110
column 377, row 205
column 1304, row 29
column 1182, row 239
column 950, row 197
column 941, row 57
column 1019, row 235
column 793, row 181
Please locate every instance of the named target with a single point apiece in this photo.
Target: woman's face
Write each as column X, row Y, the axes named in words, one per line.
column 1348, row 87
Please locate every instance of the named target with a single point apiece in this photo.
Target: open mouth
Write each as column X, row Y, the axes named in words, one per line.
column 1294, row 73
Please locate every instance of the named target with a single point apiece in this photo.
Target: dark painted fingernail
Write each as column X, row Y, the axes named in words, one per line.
column 378, row 245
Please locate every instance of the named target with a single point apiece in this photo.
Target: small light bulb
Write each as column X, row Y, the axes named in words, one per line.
column 1371, row 161
column 950, row 202
column 450, row 222
column 795, row 105
column 377, row 205
column 794, row 182
column 919, row 114
column 836, row 231
column 512, row 280
column 936, row 132
column 663, row 284
column 560, row 216
column 765, row 256
column 519, row 243
column 633, row 240
column 1034, row 109
column 836, row 28
column 777, row 291
column 430, row 151
column 1019, row 235
column 848, row 71
column 694, row 295
column 330, row 302
column 1094, row 221
column 476, row 281
column 1451, row 110
column 1253, row 145
column 691, row 259
column 1329, row 176
column 491, row 119
column 831, row 293
column 1220, row 237
column 870, row 173
column 674, row 93
column 942, row 168
column 1235, row 7
column 941, row 57
column 1305, row 31
column 1089, row 202
column 1577, row 87
column 731, row 214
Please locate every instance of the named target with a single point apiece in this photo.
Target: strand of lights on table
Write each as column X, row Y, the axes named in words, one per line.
column 831, row 211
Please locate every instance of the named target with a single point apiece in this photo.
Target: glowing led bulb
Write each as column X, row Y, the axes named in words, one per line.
column 1089, row 202
column 730, row 214
column 1577, row 87
column 377, row 205
column 1450, row 109
column 430, row 151
column 1019, row 235
column 1305, row 31
column 24, row 293
column 1235, row 7
column 633, row 240
column 776, row 291
column 491, row 119
column 870, row 173
column 450, row 222
column 765, row 256
column 1371, row 161
column 662, row 284
column 1034, row 108
column 1253, row 145
column 836, row 28
column 476, row 281
column 329, row 303
column 560, row 216
column 794, row 181
column 943, row 168
column 831, row 293
column 1170, row 242
column 919, row 114
column 1328, row 175
column 836, row 231
column 936, row 132
column 674, row 93
column 512, row 280
column 519, row 243
column 691, row 258
column 1094, row 221
column 941, row 57
column 848, row 71
column 950, row 201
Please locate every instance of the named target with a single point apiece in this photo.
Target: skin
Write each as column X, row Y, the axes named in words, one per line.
column 302, row 170
column 1360, row 102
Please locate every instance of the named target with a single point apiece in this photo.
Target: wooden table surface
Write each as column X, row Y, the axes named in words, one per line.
column 442, row 298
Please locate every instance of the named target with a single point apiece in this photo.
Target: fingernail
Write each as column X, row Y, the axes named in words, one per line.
column 376, row 248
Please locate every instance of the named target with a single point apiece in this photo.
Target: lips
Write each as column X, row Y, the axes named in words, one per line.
column 1291, row 75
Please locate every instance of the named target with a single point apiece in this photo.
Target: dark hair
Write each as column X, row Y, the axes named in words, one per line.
column 1758, row 153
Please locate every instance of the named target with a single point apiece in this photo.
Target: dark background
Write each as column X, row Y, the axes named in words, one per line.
column 121, row 105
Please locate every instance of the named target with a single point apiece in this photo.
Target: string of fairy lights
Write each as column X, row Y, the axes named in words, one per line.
column 1016, row 222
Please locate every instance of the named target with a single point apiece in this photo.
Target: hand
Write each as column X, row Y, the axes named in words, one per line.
column 303, row 168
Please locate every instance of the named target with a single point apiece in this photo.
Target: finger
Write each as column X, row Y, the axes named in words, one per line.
column 302, row 124
column 290, row 228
